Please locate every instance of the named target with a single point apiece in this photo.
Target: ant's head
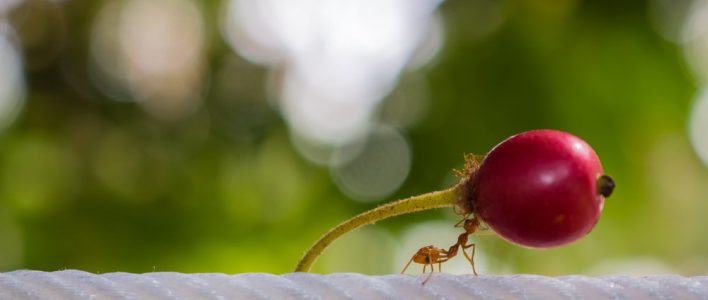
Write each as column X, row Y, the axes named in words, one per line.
column 471, row 225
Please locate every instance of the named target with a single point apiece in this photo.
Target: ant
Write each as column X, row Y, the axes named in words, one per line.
column 430, row 255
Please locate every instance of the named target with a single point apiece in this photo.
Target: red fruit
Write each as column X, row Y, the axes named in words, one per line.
column 541, row 188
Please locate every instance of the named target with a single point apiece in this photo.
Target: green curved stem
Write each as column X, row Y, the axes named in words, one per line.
column 444, row 198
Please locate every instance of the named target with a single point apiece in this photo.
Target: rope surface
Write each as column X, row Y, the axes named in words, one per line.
column 72, row 284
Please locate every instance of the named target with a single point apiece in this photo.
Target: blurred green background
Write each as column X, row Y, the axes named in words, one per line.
column 227, row 136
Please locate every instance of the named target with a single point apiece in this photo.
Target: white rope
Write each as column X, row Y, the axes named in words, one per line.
column 72, row 284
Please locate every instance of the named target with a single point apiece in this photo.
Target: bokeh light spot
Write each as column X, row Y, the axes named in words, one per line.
column 698, row 128
column 338, row 58
column 667, row 17
column 372, row 168
column 7, row 5
column 694, row 35
column 12, row 85
column 154, row 50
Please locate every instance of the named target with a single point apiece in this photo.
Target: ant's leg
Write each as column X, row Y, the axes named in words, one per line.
column 470, row 258
column 432, row 270
column 439, row 266
column 424, row 268
column 408, row 264
column 470, row 245
column 444, row 256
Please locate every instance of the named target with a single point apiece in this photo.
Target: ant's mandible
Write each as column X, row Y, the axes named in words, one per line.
column 430, row 255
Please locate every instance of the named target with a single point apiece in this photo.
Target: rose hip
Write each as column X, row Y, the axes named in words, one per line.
column 541, row 188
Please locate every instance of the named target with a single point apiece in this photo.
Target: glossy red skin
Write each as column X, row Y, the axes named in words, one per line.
column 538, row 189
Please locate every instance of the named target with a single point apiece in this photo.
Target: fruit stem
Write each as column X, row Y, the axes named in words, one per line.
column 444, row 198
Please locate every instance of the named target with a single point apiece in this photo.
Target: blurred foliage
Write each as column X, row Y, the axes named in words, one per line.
column 99, row 185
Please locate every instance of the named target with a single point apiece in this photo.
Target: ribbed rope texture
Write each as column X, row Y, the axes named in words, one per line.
column 72, row 284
